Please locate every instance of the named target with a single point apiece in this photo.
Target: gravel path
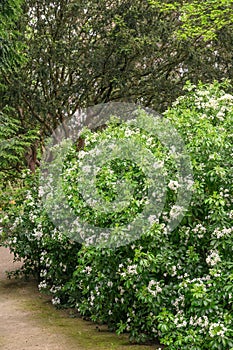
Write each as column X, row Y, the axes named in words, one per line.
column 18, row 329
column 28, row 321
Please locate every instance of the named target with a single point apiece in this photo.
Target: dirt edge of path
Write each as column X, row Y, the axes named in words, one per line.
column 28, row 320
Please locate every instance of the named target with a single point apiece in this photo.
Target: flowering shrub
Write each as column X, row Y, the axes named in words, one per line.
column 172, row 286
column 46, row 253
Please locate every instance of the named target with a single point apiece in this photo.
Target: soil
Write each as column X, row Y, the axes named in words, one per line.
column 29, row 321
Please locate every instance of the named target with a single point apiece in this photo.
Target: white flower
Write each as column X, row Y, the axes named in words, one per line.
column 152, row 219
column 222, row 233
column 121, row 290
column 81, row 154
column 132, row 269
column 217, row 329
column 158, row 165
column 213, row 258
column 129, row 132
column 173, row 185
column 220, row 115
column 226, row 97
column 41, row 191
column 42, row 285
column 199, row 230
column 179, row 321
column 86, row 169
column 154, row 287
column 176, row 210
column 174, row 272
column 56, row 301
column 149, row 141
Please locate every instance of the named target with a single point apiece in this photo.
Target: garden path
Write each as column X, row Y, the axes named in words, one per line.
column 28, row 321
column 18, row 328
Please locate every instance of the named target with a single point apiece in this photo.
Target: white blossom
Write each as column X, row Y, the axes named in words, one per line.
column 213, row 258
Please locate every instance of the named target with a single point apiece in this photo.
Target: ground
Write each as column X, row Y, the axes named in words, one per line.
column 28, row 321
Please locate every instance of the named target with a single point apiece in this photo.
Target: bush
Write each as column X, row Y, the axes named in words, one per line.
column 46, row 253
column 172, row 286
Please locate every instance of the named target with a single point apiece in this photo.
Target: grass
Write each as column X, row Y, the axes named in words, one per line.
column 84, row 334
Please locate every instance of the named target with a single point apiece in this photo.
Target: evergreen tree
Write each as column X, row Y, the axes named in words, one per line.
column 15, row 137
column 81, row 53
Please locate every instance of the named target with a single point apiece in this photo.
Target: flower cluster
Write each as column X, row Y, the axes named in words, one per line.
column 213, row 258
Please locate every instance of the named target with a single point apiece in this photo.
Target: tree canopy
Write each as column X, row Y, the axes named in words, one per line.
column 76, row 54
column 199, row 18
column 10, row 11
column 15, row 136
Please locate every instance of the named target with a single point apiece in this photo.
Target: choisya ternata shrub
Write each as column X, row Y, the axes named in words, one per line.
column 175, row 287
column 172, row 286
column 26, row 228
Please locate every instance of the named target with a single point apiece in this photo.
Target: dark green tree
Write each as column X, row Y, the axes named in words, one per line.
column 10, row 11
column 81, row 53
column 15, row 137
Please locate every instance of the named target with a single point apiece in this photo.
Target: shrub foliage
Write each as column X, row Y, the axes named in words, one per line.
column 172, row 286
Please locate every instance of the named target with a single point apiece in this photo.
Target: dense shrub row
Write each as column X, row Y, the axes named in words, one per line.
column 172, row 286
